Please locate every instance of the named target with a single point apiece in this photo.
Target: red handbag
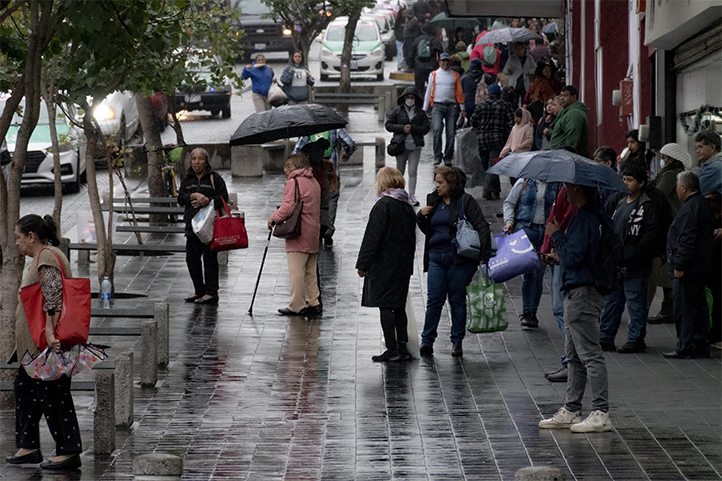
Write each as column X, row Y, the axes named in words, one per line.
column 229, row 232
column 73, row 325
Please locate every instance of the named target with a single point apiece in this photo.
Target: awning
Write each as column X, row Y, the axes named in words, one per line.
column 505, row 8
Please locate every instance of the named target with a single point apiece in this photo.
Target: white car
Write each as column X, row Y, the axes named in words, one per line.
column 117, row 116
column 39, row 160
column 367, row 54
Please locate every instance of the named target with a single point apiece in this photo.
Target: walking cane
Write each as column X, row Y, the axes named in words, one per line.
column 263, row 261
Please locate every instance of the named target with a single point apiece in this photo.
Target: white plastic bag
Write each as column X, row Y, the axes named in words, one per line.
column 204, row 222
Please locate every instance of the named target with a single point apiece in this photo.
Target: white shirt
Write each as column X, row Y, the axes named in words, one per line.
column 445, row 91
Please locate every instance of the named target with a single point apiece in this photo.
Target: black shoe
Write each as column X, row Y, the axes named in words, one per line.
column 496, row 195
column 660, row 319
column 389, row 355
column 192, row 298
column 31, row 458
column 456, row 349
column 426, row 350
column 328, row 240
column 210, row 300
column 608, row 346
column 676, row 355
column 632, row 347
column 72, row 462
column 500, row 215
column 404, row 354
column 288, row 312
column 312, row 311
column 560, row 375
column 528, row 319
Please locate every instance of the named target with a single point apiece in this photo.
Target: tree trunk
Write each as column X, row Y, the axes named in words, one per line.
column 179, row 138
column 349, row 34
column 50, row 103
column 152, row 143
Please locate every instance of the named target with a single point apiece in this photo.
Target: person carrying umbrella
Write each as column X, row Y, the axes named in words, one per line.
column 37, row 237
column 520, row 67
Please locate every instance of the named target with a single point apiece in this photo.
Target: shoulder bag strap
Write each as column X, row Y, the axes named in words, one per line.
column 297, row 194
column 62, row 267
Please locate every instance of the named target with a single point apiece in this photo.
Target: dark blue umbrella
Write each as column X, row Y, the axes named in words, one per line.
column 559, row 166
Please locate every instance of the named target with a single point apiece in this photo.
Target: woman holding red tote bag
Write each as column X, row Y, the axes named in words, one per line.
column 37, row 237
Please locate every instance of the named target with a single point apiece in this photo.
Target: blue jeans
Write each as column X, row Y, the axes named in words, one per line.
column 446, row 280
column 399, row 53
column 558, row 301
column 532, row 284
column 440, row 114
column 634, row 293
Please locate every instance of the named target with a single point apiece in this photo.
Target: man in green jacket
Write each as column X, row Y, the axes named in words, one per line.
column 571, row 127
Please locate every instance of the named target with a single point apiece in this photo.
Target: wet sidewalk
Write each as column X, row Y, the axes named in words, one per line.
column 269, row 398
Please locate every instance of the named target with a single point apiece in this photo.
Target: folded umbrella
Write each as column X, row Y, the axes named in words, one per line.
column 452, row 23
column 285, row 122
column 509, row 35
column 559, row 166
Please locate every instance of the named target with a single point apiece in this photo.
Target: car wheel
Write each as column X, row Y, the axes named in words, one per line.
column 72, row 187
column 324, row 77
column 380, row 76
column 227, row 112
column 214, row 112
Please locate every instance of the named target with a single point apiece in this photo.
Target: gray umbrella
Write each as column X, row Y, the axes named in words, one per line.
column 559, row 166
column 508, row 35
column 287, row 121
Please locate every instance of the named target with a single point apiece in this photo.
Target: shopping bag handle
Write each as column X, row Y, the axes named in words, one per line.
column 485, row 280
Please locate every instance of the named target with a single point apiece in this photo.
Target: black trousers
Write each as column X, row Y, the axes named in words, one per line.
column 421, row 77
column 195, row 250
column 393, row 323
column 35, row 398
column 691, row 316
column 492, row 185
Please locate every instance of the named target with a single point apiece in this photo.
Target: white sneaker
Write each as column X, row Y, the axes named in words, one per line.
column 596, row 422
column 563, row 419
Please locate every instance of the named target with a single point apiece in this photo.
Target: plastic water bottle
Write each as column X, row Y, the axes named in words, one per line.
column 105, row 293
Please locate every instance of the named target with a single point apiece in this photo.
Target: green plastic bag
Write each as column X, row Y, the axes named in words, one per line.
column 485, row 306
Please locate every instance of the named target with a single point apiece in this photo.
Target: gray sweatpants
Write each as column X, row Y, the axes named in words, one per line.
column 582, row 307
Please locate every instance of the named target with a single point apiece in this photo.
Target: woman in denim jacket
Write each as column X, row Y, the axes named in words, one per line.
column 527, row 207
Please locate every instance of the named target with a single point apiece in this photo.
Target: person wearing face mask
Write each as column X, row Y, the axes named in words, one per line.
column 409, row 123
column 201, row 186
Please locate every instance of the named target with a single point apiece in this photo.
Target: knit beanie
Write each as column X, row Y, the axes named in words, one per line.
column 677, row 152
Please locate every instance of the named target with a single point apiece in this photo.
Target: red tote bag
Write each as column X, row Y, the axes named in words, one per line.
column 229, row 232
column 73, row 325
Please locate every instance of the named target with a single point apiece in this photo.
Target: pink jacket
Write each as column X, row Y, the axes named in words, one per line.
column 521, row 136
column 310, row 193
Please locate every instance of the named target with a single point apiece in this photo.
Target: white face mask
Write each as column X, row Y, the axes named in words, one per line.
column 410, row 102
column 661, row 163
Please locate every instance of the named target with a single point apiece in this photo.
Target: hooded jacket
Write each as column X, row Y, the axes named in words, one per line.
column 571, row 128
column 469, row 82
column 398, row 118
column 642, row 233
column 521, row 137
column 427, row 33
column 473, row 215
column 296, row 82
column 192, row 184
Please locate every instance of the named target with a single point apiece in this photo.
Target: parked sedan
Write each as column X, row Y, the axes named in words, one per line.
column 117, row 116
column 205, row 96
column 367, row 54
column 39, row 161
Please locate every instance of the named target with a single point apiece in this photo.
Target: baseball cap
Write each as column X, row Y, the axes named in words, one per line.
column 444, row 56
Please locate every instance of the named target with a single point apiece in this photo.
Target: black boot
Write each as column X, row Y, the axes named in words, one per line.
column 404, row 354
column 390, row 355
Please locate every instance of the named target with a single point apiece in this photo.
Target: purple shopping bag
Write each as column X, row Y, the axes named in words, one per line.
column 515, row 256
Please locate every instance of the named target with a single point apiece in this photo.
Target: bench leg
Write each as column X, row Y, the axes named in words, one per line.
column 382, row 108
column 124, row 390
column 104, row 417
column 162, row 316
column 83, row 257
column 149, row 359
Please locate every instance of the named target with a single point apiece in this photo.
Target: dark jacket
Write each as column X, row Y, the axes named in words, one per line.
column 572, row 128
column 400, row 25
column 387, row 254
column 398, row 118
column 666, row 183
column 689, row 241
column 663, row 217
column 642, row 235
column 411, row 29
column 577, row 246
column 191, row 184
column 469, row 82
column 473, row 215
column 436, row 49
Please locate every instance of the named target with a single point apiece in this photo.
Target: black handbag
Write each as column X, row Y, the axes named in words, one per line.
column 396, row 147
column 290, row 228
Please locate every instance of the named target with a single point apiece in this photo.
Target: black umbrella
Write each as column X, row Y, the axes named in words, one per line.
column 287, row 121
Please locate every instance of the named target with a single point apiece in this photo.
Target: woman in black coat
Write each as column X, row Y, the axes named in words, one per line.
column 409, row 123
column 386, row 260
column 200, row 187
column 449, row 273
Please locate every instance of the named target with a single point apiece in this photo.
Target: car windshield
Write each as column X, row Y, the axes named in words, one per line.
column 252, row 7
column 42, row 119
column 364, row 33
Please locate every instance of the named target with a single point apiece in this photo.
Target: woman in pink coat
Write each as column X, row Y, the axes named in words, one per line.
column 521, row 137
column 301, row 251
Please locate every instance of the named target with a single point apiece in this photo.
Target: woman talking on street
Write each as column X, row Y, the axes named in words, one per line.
column 301, row 251
column 201, row 186
column 449, row 273
column 37, row 237
column 386, row 260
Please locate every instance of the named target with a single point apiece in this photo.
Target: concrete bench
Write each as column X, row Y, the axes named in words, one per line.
column 251, row 160
column 382, row 102
column 152, row 229
column 379, row 145
column 104, row 387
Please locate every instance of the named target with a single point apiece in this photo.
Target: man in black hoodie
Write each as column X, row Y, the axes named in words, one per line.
column 424, row 55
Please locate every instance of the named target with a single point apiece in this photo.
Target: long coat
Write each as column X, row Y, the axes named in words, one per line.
column 310, row 193
column 387, row 254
